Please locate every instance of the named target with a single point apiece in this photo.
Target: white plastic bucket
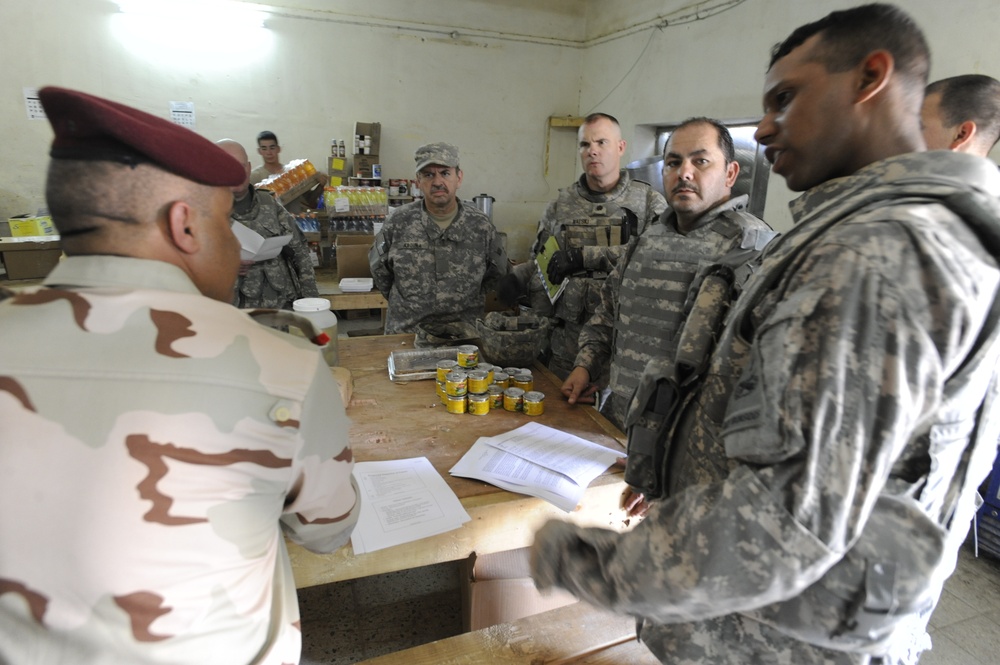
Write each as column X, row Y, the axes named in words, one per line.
column 318, row 311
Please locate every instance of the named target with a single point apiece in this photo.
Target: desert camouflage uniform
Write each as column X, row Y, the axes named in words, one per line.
column 645, row 300
column 156, row 444
column 428, row 274
column 814, row 476
column 581, row 218
column 277, row 282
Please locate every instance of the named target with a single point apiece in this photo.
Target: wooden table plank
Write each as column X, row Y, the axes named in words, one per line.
column 402, row 420
column 577, row 633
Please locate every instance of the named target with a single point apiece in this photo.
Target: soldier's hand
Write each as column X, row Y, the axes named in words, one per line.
column 509, row 290
column 578, row 388
column 635, row 503
column 565, row 262
column 245, row 267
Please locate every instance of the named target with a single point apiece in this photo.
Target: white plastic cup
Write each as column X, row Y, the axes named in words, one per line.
column 318, row 311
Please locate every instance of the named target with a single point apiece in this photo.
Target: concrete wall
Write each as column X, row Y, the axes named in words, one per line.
column 484, row 74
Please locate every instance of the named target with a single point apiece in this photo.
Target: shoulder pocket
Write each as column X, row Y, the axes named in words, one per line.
column 753, row 429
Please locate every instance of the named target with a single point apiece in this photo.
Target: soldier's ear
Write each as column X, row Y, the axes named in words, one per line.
column 873, row 75
column 181, row 227
column 963, row 135
column 732, row 171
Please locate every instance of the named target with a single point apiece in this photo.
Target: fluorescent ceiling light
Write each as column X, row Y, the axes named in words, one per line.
column 186, row 35
column 219, row 13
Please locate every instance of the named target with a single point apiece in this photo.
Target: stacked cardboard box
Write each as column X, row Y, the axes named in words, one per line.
column 339, row 173
column 352, row 255
column 497, row 588
column 29, row 258
column 367, row 141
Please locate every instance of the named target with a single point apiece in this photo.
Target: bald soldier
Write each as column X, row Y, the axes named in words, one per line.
column 592, row 221
column 276, row 282
column 157, row 444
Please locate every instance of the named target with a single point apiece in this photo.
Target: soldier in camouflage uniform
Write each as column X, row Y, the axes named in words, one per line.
column 277, row 282
column 962, row 113
column 819, row 477
column 644, row 301
column 592, row 220
column 157, row 443
column 435, row 259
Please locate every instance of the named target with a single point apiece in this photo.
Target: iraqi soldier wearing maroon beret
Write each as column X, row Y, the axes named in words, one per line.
column 157, row 443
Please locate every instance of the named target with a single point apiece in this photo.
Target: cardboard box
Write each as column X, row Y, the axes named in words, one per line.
column 363, row 165
column 497, row 588
column 337, row 167
column 373, row 130
column 352, row 255
column 29, row 260
column 26, row 226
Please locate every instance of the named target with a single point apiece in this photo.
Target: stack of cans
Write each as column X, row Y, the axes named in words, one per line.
column 466, row 385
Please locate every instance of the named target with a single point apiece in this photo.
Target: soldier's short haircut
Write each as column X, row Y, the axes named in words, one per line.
column 267, row 136
column 848, row 36
column 594, row 117
column 974, row 97
column 83, row 195
column 726, row 144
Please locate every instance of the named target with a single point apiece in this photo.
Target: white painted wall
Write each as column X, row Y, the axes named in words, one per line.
column 489, row 89
column 491, row 97
column 716, row 66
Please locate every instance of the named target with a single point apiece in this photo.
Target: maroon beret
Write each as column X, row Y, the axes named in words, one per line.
column 91, row 128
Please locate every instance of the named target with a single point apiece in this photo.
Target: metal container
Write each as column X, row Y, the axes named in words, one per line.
column 479, row 405
column 457, row 384
column 534, row 403
column 513, row 399
column 468, row 356
column 485, row 203
column 457, row 404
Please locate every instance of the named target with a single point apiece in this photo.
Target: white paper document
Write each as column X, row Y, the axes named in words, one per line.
column 539, row 461
column 403, row 501
column 255, row 247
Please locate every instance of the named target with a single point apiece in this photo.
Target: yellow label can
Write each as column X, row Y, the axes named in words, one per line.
column 478, row 382
column 496, row 396
column 445, row 366
column 534, row 403
column 468, row 355
column 479, row 405
column 502, row 379
column 457, row 384
column 524, row 382
column 456, row 404
column 513, row 399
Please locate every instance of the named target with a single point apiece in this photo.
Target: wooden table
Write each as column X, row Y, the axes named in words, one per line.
column 329, row 288
column 402, row 420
